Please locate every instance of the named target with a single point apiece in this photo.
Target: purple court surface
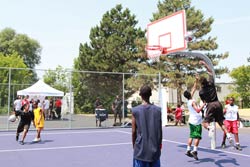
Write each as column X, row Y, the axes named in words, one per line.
column 111, row 147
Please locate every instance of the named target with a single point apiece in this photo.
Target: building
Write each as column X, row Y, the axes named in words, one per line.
column 223, row 89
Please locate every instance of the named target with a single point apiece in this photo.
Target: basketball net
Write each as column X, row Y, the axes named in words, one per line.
column 154, row 52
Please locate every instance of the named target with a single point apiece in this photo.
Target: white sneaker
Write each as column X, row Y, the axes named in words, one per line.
column 37, row 140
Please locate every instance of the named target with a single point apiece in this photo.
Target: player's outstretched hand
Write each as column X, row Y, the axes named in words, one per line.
column 202, row 62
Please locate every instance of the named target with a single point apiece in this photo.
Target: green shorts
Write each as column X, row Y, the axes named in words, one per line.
column 195, row 131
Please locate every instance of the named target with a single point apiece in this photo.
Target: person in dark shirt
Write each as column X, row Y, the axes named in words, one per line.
column 98, row 106
column 146, row 131
column 25, row 121
column 117, row 109
column 98, row 103
column 214, row 109
column 51, row 108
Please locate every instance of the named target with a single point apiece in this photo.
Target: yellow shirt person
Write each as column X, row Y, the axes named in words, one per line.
column 38, row 120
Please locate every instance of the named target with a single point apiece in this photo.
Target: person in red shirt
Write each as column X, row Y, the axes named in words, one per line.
column 178, row 115
column 227, row 101
column 58, row 105
column 26, row 100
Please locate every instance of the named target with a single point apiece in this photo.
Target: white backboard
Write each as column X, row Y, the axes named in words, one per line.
column 168, row 32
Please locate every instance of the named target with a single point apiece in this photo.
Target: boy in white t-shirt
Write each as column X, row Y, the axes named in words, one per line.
column 18, row 103
column 46, row 109
column 232, row 122
column 195, row 120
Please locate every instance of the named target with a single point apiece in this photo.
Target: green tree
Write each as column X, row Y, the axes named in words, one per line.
column 241, row 77
column 29, row 49
column 112, row 48
column 178, row 67
column 58, row 78
column 19, row 76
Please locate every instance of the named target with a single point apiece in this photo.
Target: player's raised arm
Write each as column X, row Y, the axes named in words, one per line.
column 195, row 85
column 209, row 71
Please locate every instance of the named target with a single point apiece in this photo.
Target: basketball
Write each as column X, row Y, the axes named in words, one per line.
column 12, row 118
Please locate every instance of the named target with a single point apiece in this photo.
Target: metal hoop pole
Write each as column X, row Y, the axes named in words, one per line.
column 201, row 56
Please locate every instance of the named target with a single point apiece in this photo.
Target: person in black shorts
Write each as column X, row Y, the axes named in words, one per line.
column 214, row 109
column 98, row 106
column 24, row 123
column 117, row 109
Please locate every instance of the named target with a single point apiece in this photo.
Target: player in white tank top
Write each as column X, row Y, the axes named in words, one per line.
column 231, row 114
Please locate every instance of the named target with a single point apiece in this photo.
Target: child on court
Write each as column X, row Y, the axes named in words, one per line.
column 24, row 123
column 38, row 121
column 195, row 120
column 178, row 115
column 232, row 121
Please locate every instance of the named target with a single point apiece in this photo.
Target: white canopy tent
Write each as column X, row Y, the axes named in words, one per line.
column 40, row 89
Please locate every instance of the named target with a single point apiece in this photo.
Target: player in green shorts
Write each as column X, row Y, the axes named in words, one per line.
column 195, row 120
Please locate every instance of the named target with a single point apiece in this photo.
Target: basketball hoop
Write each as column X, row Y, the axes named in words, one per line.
column 167, row 35
column 154, row 52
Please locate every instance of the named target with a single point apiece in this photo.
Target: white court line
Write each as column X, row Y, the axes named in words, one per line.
column 244, row 155
column 120, row 131
column 206, row 148
column 103, row 145
column 60, row 148
column 63, row 133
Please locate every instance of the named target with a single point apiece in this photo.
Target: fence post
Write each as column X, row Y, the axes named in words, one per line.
column 123, row 99
column 70, row 96
column 9, row 98
column 159, row 87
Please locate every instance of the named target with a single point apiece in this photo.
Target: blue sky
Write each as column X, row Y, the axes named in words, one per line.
column 61, row 25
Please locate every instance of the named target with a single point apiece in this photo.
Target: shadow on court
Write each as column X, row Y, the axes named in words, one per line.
column 207, row 157
column 225, row 161
column 41, row 142
column 219, row 163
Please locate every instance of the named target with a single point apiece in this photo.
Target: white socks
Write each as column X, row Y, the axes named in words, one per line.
column 228, row 135
column 194, row 149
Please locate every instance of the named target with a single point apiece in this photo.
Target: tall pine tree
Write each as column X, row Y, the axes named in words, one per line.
column 112, row 48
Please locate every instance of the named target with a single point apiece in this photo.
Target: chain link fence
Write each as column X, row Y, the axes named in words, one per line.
column 80, row 91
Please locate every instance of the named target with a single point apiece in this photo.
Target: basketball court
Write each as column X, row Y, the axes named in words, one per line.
column 110, row 147
column 113, row 147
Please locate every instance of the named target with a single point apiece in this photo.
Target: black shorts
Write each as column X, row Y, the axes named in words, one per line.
column 118, row 112
column 214, row 112
column 22, row 126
